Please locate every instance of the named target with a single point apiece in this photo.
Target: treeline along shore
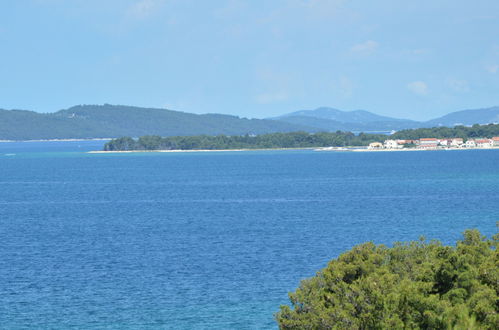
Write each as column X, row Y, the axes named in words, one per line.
column 291, row 140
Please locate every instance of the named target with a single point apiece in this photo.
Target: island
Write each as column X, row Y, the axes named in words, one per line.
column 459, row 137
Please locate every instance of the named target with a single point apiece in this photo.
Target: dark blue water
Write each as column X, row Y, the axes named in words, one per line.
column 212, row 240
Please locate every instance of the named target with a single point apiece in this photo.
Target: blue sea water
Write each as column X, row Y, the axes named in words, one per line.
column 210, row 240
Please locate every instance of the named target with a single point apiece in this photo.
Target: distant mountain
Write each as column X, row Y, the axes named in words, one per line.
column 109, row 121
column 331, row 119
column 355, row 116
column 101, row 121
column 358, row 120
column 467, row 117
column 333, row 125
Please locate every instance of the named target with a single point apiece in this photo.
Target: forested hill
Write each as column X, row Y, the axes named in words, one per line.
column 222, row 142
column 330, row 119
column 475, row 131
column 111, row 121
column 292, row 139
column 108, row 121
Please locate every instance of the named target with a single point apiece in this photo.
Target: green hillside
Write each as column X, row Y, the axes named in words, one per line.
column 107, row 121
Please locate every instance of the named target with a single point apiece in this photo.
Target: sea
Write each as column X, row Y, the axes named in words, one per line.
column 210, row 240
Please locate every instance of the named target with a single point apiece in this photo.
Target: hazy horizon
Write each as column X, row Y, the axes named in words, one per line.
column 145, row 107
column 251, row 58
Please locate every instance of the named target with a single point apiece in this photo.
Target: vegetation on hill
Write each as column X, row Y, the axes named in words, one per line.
column 330, row 119
column 332, row 125
column 290, row 140
column 475, row 131
column 466, row 117
column 409, row 286
column 274, row 140
column 104, row 121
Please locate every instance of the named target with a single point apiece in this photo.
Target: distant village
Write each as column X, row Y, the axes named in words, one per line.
column 434, row 143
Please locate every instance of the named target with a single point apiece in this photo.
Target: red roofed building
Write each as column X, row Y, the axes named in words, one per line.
column 484, row 143
column 426, row 141
column 456, row 142
column 495, row 141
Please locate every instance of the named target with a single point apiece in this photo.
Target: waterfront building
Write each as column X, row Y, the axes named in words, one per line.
column 428, row 141
column 470, row 144
column 444, row 142
column 456, row 142
column 484, row 143
column 402, row 142
column 391, row 144
column 375, row 145
column 495, row 141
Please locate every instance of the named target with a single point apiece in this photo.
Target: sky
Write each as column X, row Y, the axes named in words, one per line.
column 251, row 58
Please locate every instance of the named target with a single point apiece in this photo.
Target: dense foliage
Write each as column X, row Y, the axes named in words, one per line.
column 291, row 140
column 275, row 140
column 409, row 286
column 104, row 121
column 475, row 131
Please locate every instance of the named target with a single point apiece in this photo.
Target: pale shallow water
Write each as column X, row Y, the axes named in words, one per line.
column 210, row 240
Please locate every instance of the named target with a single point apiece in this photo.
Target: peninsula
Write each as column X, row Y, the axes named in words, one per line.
column 439, row 137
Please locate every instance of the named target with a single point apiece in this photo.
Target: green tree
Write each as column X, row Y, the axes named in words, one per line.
column 122, row 144
column 416, row 285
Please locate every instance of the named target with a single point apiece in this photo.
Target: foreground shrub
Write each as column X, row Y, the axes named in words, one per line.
column 411, row 285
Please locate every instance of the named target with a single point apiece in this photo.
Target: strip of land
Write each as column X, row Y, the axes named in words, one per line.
column 347, row 149
column 459, row 137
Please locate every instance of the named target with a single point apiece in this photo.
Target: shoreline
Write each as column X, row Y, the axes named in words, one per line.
column 192, row 150
column 418, row 149
column 326, row 149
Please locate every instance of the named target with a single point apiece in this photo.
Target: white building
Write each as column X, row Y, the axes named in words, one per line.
column 484, row 143
column 495, row 141
column 392, row 144
column 470, row 144
column 375, row 145
column 428, row 141
column 444, row 142
column 456, row 142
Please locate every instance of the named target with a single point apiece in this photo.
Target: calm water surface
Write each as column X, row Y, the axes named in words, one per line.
column 210, row 240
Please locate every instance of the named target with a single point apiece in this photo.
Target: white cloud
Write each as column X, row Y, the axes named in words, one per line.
column 458, row 85
column 305, row 13
column 273, row 97
column 365, row 48
column 343, row 87
column 143, row 8
column 420, row 51
column 322, row 7
column 494, row 68
column 417, row 53
column 231, row 8
column 274, row 85
column 418, row 87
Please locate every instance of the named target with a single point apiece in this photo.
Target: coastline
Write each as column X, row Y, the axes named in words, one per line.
column 192, row 150
column 339, row 149
column 418, row 149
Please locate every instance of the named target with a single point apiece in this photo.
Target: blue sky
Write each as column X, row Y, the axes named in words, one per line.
column 251, row 58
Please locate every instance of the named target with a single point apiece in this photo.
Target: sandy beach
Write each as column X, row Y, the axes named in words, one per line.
column 346, row 149
column 193, row 150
